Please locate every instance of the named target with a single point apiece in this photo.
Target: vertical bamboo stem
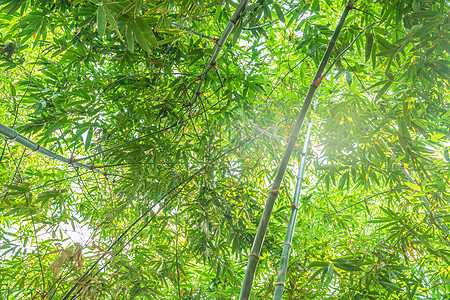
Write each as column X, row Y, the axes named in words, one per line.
column 281, row 277
column 258, row 241
column 13, row 135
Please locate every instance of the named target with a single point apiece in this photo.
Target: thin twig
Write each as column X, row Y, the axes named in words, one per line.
column 295, row 6
column 193, row 31
column 348, row 47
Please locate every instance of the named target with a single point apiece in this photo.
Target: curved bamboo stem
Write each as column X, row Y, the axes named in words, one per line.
column 13, row 135
column 281, row 277
column 258, row 241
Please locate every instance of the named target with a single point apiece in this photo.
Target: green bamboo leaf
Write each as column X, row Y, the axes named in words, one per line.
column 390, row 286
column 369, row 45
column 12, row 89
column 383, row 90
column 279, row 12
column 101, row 20
column 43, row 29
column 87, row 143
column 237, row 32
column 315, row 5
column 323, row 275
column 416, row 6
column 318, row 264
column 349, row 77
column 347, row 267
column 330, row 273
column 424, row 14
column 343, row 180
column 169, row 40
column 374, row 56
column 390, row 213
column 139, row 37
column 19, row 188
column 383, row 42
column 55, row 126
column 424, row 30
column 145, row 31
column 112, row 21
column 413, row 186
column 130, row 38
column 389, row 75
column 413, row 292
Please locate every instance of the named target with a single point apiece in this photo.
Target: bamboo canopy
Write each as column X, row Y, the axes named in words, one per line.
column 422, row 198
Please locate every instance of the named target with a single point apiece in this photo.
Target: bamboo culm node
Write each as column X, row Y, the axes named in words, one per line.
column 275, row 192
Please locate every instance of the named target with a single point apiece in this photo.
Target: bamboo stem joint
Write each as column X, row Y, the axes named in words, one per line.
column 317, row 82
column 254, row 255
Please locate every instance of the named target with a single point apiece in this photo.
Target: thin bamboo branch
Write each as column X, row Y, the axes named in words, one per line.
column 13, row 135
column 219, row 45
column 274, row 20
column 192, row 31
column 264, row 222
column 342, row 53
column 281, row 277
column 292, row 69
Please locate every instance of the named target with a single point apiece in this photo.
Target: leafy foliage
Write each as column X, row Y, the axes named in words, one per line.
column 114, row 85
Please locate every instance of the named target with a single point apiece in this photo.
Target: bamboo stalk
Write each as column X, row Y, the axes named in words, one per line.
column 264, row 222
column 219, row 45
column 13, row 135
column 281, row 277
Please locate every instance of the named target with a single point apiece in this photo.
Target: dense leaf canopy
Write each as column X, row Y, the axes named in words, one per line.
column 186, row 109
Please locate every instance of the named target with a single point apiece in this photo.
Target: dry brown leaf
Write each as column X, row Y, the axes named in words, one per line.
column 59, row 263
column 78, row 256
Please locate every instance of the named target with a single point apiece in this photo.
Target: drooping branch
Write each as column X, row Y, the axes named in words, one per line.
column 13, row 135
column 265, row 218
